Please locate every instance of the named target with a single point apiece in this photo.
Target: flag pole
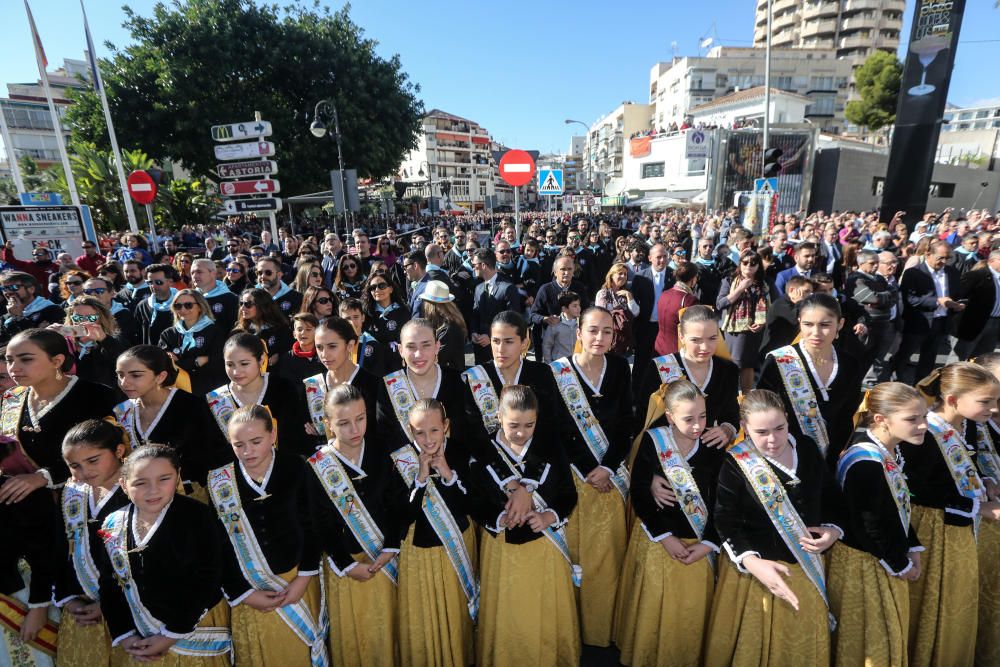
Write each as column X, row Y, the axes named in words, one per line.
column 15, row 168
column 99, row 85
column 60, row 140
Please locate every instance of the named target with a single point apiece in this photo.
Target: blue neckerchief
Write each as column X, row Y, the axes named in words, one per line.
column 432, row 267
column 967, row 253
column 85, row 347
column 132, row 289
column 160, row 307
column 467, row 266
column 188, row 342
column 38, row 304
column 219, row 289
column 594, row 248
column 282, row 291
column 704, row 262
column 116, row 307
column 382, row 312
column 551, row 248
column 508, row 266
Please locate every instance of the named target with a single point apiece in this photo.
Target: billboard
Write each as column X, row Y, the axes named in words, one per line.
column 56, row 228
column 741, row 162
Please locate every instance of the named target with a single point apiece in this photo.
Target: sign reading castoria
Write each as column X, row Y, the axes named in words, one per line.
column 247, row 169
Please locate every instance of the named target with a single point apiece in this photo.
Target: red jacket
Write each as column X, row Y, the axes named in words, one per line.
column 667, row 312
column 41, row 272
column 90, row 264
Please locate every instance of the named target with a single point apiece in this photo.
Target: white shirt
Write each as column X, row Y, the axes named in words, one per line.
column 659, row 278
column 940, row 288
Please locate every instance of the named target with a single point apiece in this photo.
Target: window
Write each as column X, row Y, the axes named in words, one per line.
column 783, row 82
column 721, row 80
column 821, row 83
column 942, row 190
column 983, row 114
column 965, row 115
column 652, row 170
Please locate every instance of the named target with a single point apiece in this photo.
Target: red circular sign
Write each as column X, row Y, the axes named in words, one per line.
column 142, row 187
column 517, row 168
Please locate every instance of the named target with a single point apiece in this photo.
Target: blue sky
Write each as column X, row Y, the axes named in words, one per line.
column 518, row 68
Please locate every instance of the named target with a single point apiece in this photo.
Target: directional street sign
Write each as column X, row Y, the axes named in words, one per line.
column 230, row 188
column 517, row 168
column 767, row 186
column 247, row 169
column 250, row 205
column 141, row 187
column 244, row 151
column 237, row 131
column 550, row 181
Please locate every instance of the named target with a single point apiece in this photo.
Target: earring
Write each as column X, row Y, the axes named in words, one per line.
column 59, row 374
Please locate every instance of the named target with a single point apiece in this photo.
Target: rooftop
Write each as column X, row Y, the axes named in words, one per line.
column 747, row 95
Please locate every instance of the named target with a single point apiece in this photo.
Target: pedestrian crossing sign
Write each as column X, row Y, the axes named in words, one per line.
column 550, row 181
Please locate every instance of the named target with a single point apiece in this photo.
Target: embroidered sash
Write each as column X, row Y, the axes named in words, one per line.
column 12, row 615
column 678, row 473
column 485, row 396
column 202, row 642
column 75, row 507
column 402, row 398
column 337, row 484
column 579, row 408
column 801, row 395
column 11, row 406
column 986, row 454
column 963, row 471
column 669, row 368
column 254, row 566
column 443, row 522
column 784, row 517
column 556, row 536
column 222, row 404
column 866, row 451
column 315, row 396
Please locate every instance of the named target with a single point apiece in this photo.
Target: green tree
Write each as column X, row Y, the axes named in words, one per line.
column 877, row 81
column 197, row 63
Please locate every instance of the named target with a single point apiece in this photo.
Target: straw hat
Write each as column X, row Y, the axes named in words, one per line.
column 437, row 292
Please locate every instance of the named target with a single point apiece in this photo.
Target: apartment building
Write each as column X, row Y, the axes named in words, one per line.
column 604, row 148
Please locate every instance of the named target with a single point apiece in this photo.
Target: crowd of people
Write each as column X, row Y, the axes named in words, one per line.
column 675, row 439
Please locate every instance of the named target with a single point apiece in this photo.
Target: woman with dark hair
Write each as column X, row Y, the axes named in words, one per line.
column 157, row 411
column 195, row 341
column 309, row 274
column 384, row 251
column 94, row 339
column 236, row 277
column 439, row 307
column 45, row 405
column 350, row 279
column 743, row 300
column 260, row 315
column 112, row 271
column 182, row 264
column 319, row 302
column 385, row 315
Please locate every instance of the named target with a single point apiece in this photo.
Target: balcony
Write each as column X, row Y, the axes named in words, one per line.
column 780, row 6
column 816, row 10
column 862, row 5
column 818, row 28
column 787, row 38
column 860, row 22
column 855, row 42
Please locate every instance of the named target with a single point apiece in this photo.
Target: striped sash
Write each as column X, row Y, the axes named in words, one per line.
column 485, row 396
column 801, row 395
column 678, row 473
column 75, row 508
column 867, row 451
column 315, row 396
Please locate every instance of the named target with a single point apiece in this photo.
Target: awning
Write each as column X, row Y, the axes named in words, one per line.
column 618, row 200
column 481, row 140
column 447, row 136
column 614, row 187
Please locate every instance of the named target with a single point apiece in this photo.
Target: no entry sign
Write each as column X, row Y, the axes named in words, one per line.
column 142, row 187
column 517, row 168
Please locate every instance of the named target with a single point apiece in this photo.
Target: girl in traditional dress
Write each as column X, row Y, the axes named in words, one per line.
column 704, row 363
column 30, row 531
column 528, row 610
column 870, row 570
column 509, row 342
column 774, row 509
column 157, row 411
column 818, row 386
column 94, row 451
column 39, row 412
column 420, row 377
column 949, row 501
column 988, row 464
column 161, row 570
column 250, row 383
column 595, row 417
column 336, row 342
column 271, row 555
column 666, row 591
column 438, row 578
column 358, row 503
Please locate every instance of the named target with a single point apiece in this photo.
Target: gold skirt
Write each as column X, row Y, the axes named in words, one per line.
column 363, row 619
column 261, row 639
column 988, row 637
column 944, row 601
column 217, row 617
column 435, row 627
column 872, row 609
column 663, row 605
column 597, row 541
column 527, row 609
column 83, row 644
column 749, row 626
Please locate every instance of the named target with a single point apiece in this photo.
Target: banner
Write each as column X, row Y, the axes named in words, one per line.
column 923, row 93
column 742, row 159
column 55, row 228
column 640, row 146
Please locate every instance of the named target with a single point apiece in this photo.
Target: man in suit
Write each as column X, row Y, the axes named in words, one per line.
column 830, row 255
column 545, row 310
column 415, row 266
column 647, row 286
column 493, row 295
column 869, row 302
column 805, row 259
column 882, row 364
column 978, row 327
column 929, row 290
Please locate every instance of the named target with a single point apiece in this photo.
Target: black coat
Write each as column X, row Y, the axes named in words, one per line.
column 980, row 289
column 920, row 297
column 782, row 325
column 208, row 343
column 485, row 306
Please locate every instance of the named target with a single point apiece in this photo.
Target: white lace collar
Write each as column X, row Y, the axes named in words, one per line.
column 356, row 467
column 823, row 388
column 326, row 378
column 36, row 418
column 586, row 380
column 260, row 398
column 517, row 376
column 437, row 384
column 96, row 507
column 261, row 488
column 708, row 376
column 141, row 543
column 144, row 435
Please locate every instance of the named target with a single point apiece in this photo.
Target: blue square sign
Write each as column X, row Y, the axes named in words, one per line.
column 550, row 181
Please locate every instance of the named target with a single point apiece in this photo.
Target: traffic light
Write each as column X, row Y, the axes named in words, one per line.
column 772, row 165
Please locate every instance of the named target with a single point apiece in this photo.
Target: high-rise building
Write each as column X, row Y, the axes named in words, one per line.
column 604, row 150
column 854, row 28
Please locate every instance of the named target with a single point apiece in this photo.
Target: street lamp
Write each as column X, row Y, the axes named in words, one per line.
column 430, row 185
column 318, row 130
column 586, row 134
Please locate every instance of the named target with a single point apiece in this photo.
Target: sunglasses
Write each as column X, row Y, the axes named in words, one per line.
column 234, row 270
column 187, row 305
column 266, row 272
column 315, row 275
column 12, row 288
column 503, row 252
column 378, row 286
column 350, row 266
column 40, row 254
column 80, row 319
column 159, row 283
column 74, row 283
column 324, row 300
column 247, row 304
column 95, row 291
column 749, row 262
column 256, row 255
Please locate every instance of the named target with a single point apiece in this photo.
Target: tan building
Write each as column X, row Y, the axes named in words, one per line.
column 854, row 28
column 604, row 149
